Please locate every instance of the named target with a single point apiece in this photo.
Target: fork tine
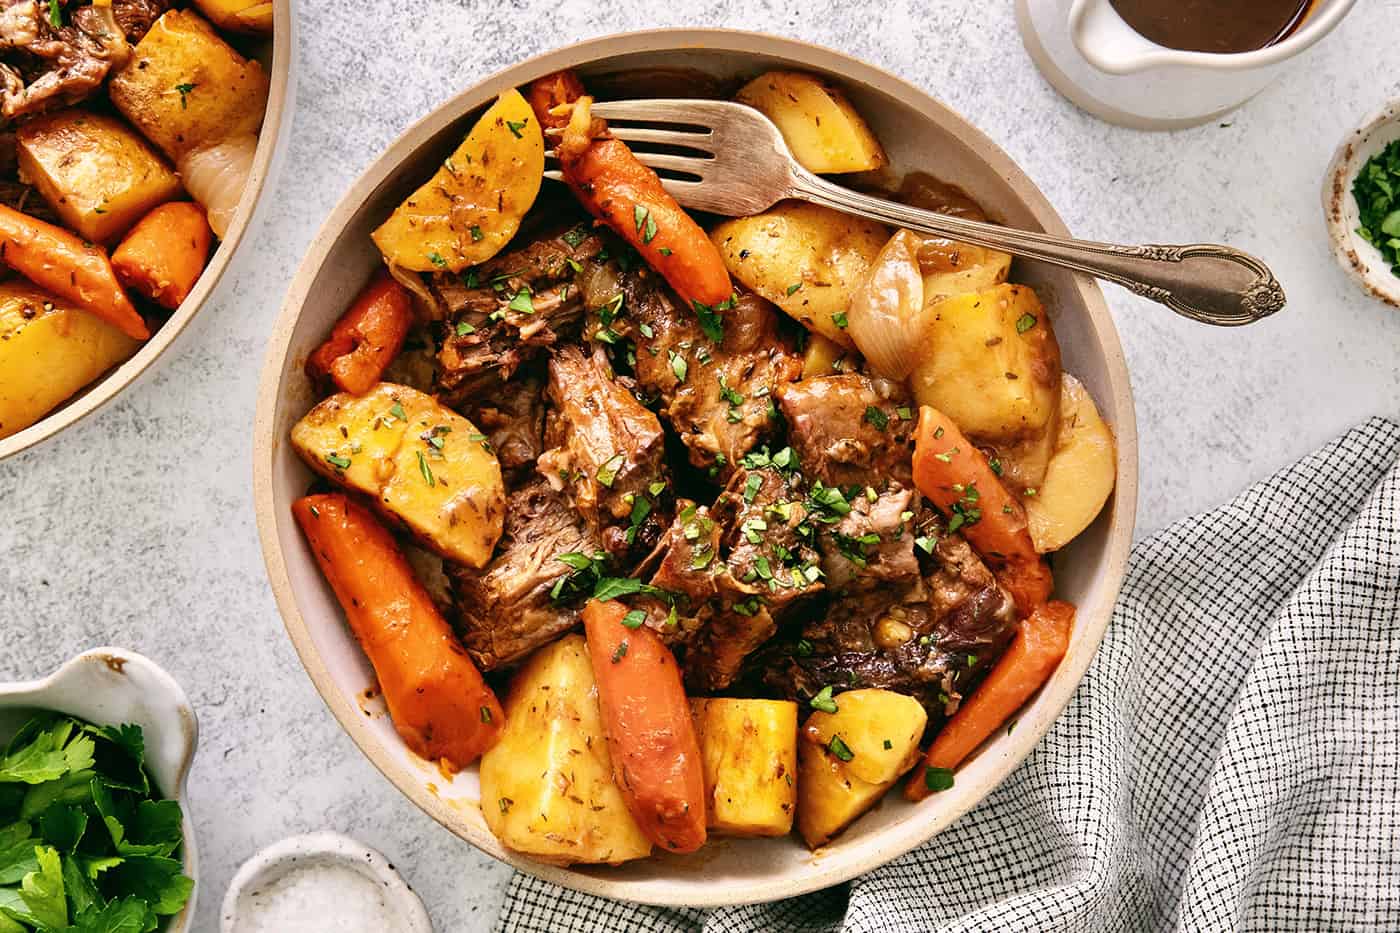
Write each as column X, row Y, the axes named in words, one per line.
column 640, row 134
column 693, row 112
column 554, row 174
column 691, row 165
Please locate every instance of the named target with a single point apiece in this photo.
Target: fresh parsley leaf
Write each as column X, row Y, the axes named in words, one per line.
column 823, row 700
column 154, row 879
column 636, row 618
column 838, row 747
column 515, row 127
column 522, row 302
column 876, row 417
column 840, row 320
column 16, row 853
column 128, row 915
column 607, row 473
column 62, row 826
column 1025, row 322
column 938, row 779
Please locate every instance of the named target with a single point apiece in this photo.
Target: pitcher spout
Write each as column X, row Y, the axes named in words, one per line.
column 1110, row 44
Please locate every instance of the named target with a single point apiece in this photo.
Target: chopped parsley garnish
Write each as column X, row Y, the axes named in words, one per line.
column 522, row 302
column 607, row 473
column 823, row 701
column 1377, row 193
column 337, row 461
column 575, row 236
column 702, row 557
column 924, row 543
column 938, row 779
column 1030, row 491
column 678, row 365
column 486, row 714
column 515, row 127
column 794, row 288
column 436, row 259
column 876, row 417
column 397, row 412
column 620, row 652
column 946, row 456
column 839, row 319
column 709, row 316
column 477, row 235
column 905, row 413
column 751, row 487
column 505, row 803
column 728, row 394
column 995, row 464
column 826, row 503
column 634, row 619
column 646, row 226
column 888, row 745
column 838, row 747
column 803, row 648
column 463, row 328
column 1025, row 322
column 184, row 89
column 665, row 251
column 426, row 470
column 656, row 488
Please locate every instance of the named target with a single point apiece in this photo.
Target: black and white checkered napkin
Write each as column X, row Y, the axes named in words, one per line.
column 1230, row 762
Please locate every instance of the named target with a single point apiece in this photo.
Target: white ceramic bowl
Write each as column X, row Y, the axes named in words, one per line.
column 110, row 686
column 918, row 133
column 275, row 53
column 1360, row 259
column 326, row 854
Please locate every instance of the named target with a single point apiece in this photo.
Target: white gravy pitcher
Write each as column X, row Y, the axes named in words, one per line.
column 1090, row 55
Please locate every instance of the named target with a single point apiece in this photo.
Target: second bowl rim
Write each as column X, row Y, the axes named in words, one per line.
column 829, row 870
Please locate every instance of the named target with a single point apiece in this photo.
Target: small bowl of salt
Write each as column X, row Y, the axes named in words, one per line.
column 324, row 882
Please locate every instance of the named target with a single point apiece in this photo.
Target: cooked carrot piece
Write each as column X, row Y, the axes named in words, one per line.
column 439, row 704
column 651, row 736
column 56, row 260
column 1035, row 652
column 956, row 477
column 366, row 338
column 163, row 255
column 626, row 195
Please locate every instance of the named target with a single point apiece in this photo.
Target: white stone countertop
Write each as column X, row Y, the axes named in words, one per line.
column 136, row 527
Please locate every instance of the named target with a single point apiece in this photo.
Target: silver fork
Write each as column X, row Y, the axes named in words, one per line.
column 741, row 166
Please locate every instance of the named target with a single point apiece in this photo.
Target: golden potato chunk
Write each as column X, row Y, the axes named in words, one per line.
column 991, row 364
column 427, row 467
column 968, row 269
column 750, row 753
column 806, row 259
column 238, row 15
column 822, row 129
column 547, row 786
column 846, row 760
column 1080, row 475
column 185, row 88
column 97, row 173
column 474, row 203
column 48, row 352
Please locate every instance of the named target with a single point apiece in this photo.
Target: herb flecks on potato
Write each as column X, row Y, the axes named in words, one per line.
column 474, row 203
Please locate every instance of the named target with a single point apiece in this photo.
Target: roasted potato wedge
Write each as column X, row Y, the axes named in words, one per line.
column 846, row 760
column 185, row 88
column 428, row 468
column 474, row 203
column 238, row 15
column 991, row 364
column 97, row 173
column 822, row 129
column 804, row 258
column 749, row 749
column 1080, row 475
column 824, row 357
column 547, row 786
column 49, row 351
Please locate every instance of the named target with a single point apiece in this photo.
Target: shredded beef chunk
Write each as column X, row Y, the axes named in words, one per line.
column 873, row 544
column 716, row 395
column 135, row 17
column 511, row 415
column 504, row 312
column 851, row 430
column 934, row 639
column 605, row 450
column 44, row 66
column 508, row 609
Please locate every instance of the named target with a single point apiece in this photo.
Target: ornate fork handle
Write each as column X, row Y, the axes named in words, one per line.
column 1208, row 283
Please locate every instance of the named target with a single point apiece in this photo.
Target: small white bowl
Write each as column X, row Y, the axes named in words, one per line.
column 111, row 686
column 327, row 854
column 1362, row 260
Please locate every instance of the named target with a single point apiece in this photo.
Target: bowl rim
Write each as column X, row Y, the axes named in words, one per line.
column 270, row 147
column 1360, row 259
column 825, row 871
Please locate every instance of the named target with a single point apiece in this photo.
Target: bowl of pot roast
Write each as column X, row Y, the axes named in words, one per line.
column 136, row 138
column 681, row 558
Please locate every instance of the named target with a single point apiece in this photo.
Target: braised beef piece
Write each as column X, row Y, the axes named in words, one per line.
column 767, row 537
column 507, row 609
column 45, row 66
column 135, row 17
column 851, row 430
column 934, row 639
column 716, row 395
column 27, row 200
column 505, row 311
column 873, row 544
column 605, row 450
column 511, row 415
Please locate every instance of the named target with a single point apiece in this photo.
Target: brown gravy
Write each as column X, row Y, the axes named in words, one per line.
column 1222, row 26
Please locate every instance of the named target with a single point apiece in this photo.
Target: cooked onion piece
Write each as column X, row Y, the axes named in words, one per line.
column 886, row 314
column 215, row 175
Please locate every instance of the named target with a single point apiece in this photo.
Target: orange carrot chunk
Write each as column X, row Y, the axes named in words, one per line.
column 626, row 195
column 439, row 704
column 1034, row 653
column 956, row 477
column 366, row 338
column 164, row 254
column 651, row 736
column 59, row 262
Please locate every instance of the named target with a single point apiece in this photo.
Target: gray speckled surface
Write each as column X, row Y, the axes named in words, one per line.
column 136, row 526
